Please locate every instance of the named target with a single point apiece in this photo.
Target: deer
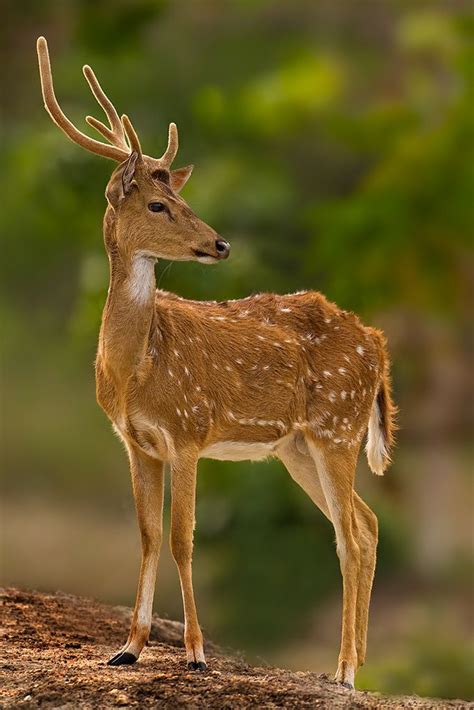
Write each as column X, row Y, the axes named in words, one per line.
column 291, row 377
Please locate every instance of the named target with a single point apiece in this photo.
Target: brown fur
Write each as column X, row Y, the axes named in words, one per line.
column 288, row 376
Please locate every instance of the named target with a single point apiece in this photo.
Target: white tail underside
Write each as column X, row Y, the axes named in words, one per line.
column 376, row 449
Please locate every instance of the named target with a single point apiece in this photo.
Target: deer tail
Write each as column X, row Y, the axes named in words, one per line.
column 382, row 425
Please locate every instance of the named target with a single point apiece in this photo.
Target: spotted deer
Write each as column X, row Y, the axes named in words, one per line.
column 292, row 377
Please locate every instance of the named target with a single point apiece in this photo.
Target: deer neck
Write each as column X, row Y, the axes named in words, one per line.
column 129, row 310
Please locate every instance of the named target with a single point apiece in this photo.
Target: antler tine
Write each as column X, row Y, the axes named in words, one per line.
column 170, row 152
column 131, row 135
column 52, row 107
column 106, row 132
column 116, row 136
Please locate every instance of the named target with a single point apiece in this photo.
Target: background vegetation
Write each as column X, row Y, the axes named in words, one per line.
column 333, row 148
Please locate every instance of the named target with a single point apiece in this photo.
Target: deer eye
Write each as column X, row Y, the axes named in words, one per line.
column 156, row 207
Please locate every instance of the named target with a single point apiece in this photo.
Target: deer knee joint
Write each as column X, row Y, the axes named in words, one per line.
column 348, row 553
column 151, row 539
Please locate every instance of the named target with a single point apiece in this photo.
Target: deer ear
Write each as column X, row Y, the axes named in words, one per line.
column 179, row 177
column 128, row 173
column 122, row 181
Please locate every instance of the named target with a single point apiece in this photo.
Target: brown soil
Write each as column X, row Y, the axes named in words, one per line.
column 55, row 647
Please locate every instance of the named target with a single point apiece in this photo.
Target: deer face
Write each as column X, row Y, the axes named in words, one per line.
column 153, row 220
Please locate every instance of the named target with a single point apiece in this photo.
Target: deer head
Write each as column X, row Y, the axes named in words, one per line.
column 150, row 217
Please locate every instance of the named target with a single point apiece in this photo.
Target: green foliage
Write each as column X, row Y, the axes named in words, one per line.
column 432, row 666
column 302, row 162
column 253, row 518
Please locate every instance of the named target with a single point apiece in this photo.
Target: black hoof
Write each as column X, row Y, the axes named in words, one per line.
column 349, row 686
column 197, row 666
column 123, row 658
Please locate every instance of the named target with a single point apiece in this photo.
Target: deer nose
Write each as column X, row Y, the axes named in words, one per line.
column 222, row 248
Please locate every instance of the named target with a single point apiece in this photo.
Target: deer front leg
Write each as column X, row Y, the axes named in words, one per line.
column 183, row 499
column 148, row 487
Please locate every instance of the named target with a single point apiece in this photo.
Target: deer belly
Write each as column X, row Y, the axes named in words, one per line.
column 240, row 450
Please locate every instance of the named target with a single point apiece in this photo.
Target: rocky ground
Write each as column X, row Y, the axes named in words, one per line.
column 55, row 647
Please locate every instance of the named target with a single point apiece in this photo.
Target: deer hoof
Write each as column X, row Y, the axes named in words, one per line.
column 197, row 666
column 123, row 658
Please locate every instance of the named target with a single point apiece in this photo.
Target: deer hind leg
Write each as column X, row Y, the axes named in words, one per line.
column 336, row 473
column 368, row 534
column 183, row 498
column 294, row 454
column 148, row 488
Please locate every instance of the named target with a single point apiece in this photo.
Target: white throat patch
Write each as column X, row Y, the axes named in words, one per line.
column 141, row 282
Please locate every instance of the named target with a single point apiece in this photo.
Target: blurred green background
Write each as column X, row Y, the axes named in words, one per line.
column 333, row 144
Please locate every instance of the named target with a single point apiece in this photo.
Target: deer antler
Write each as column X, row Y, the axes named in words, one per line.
column 172, row 148
column 121, row 134
column 131, row 135
column 116, row 136
column 119, row 150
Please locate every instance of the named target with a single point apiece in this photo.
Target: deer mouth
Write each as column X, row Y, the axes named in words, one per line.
column 203, row 257
column 203, row 254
